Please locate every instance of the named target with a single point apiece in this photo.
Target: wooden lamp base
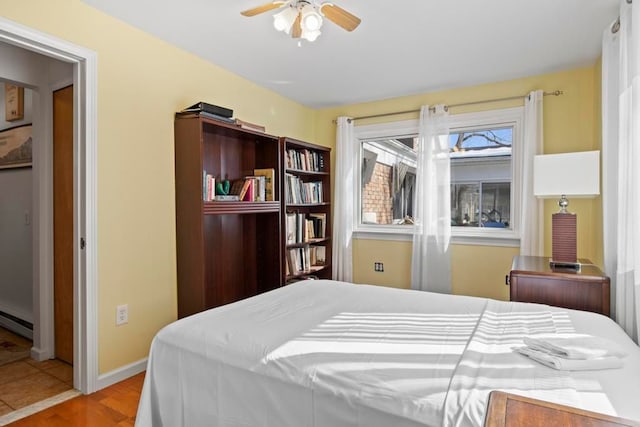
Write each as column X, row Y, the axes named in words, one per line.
column 564, row 241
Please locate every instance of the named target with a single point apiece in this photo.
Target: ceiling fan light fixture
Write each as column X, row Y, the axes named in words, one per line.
column 283, row 21
column 303, row 19
column 310, row 35
column 311, row 19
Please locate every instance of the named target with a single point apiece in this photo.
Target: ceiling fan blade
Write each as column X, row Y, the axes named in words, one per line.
column 296, row 29
column 340, row 17
column 261, row 9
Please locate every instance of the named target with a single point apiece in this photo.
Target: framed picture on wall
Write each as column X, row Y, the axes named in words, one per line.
column 16, row 147
column 13, row 102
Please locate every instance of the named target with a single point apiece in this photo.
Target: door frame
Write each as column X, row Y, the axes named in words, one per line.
column 84, row 61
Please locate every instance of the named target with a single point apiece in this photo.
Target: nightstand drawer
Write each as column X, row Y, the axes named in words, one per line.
column 532, row 280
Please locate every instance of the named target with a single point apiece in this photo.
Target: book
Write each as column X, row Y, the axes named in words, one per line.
column 250, row 126
column 319, row 224
column 210, row 108
column 211, row 185
column 204, row 185
column 291, row 228
column 227, row 198
column 236, row 187
column 244, row 190
column 320, row 258
column 208, row 186
column 269, row 175
column 259, row 191
column 262, row 192
column 205, row 114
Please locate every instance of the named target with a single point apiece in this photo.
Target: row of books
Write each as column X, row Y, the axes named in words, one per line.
column 300, row 192
column 306, row 160
column 254, row 188
column 303, row 227
column 302, row 260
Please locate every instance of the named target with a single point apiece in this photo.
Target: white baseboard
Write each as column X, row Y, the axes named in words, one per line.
column 16, row 327
column 120, row 374
column 19, row 313
column 39, row 354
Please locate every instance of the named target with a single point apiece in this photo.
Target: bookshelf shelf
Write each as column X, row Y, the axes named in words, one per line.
column 302, row 205
column 308, row 242
column 306, row 225
column 220, row 208
column 315, row 269
column 303, row 172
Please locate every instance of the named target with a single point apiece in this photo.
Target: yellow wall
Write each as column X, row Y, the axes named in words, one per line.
column 142, row 81
column 571, row 123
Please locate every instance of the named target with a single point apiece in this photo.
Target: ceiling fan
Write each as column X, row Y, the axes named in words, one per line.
column 303, row 18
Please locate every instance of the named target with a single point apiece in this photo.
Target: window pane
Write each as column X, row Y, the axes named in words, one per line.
column 481, row 177
column 388, row 179
column 465, row 200
column 496, row 204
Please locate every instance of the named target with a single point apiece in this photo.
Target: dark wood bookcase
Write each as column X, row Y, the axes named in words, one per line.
column 312, row 166
column 226, row 251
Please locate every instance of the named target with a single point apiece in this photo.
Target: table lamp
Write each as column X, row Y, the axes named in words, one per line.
column 566, row 175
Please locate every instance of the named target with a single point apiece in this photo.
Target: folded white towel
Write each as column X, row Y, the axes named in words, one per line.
column 575, row 346
column 563, row 364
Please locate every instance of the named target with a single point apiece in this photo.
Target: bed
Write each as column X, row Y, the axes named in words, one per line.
column 328, row 353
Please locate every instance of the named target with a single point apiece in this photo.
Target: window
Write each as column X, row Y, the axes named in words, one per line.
column 481, row 177
column 484, row 177
column 388, row 177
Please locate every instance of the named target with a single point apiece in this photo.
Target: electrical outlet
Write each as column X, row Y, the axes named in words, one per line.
column 122, row 314
column 378, row 266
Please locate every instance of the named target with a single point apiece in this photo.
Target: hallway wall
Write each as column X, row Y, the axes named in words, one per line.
column 17, row 215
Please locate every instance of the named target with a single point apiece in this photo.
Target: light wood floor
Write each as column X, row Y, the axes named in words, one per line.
column 110, row 407
column 24, row 381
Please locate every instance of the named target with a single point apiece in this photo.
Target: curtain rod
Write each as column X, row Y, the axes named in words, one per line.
column 509, row 98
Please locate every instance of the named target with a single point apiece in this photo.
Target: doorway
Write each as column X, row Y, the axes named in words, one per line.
column 84, row 65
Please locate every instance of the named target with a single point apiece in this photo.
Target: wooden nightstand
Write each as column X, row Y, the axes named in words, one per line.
column 510, row 410
column 533, row 280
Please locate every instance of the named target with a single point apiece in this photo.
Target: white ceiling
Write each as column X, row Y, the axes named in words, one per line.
column 402, row 47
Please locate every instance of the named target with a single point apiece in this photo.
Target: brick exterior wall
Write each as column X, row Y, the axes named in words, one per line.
column 376, row 195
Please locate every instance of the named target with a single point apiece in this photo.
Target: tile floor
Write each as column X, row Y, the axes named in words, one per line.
column 24, row 381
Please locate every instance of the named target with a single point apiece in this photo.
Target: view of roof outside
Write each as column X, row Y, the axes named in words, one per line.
column 477, row 143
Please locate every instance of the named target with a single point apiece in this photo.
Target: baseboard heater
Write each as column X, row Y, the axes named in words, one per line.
column 17, row 325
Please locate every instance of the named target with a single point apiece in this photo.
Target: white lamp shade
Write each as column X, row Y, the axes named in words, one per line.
column 310, row 35
column 311, row 20
column 568, row 174
column 284, row 20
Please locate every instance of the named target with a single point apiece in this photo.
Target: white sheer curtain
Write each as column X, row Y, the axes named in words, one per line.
column 620, row 169
column 531, row 208
column 343, row 207
column 431, row 261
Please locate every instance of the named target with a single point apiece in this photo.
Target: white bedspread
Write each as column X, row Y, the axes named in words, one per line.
column 324, row 353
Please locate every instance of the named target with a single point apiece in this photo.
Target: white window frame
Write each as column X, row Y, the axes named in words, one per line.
column 507, row 117
column 398, row 129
